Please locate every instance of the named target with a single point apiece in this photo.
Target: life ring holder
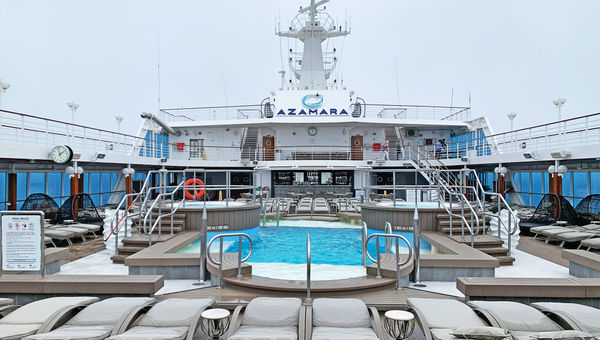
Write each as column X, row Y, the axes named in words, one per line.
column 197, row 194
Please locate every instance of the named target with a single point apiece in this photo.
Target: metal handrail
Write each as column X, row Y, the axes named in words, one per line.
column 363, row 239
column 387, row 229
column 398, row 263
column 179, row 186
column 220, row 262
column 461, row 216
column 159, row 218
column 308, row 267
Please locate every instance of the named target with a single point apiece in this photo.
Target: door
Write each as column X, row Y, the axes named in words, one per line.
column 196, row 148
column 356, row 148
column 268, row 145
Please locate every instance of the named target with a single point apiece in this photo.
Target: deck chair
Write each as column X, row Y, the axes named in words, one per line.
column 591, row 243
column 346, row 319
column 576, row 236
column 439, row 317
column 41, row 316
column 170, row 319
column 266, row 318
column 6, row 306
column 57, row 234
column 521, row 320
column 572, row 315
column 99, row 320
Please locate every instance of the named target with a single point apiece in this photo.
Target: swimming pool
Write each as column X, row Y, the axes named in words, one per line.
column 287, row 244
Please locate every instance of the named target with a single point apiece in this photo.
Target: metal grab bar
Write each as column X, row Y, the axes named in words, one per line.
column 398, row 263
column 158, row 199
column 387, row 229
column 220, row 262
column 159, row 218
column 308, row 267
column 363, row 241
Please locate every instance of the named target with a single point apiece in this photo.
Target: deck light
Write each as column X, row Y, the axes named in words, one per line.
column 562, row 169
column 559, row 102
column 501, row 170
column 100, row 155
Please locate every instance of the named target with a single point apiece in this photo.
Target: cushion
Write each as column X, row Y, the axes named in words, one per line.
column 442, row 334
column 75, row 333
column 336, row 333
column 480, row 333
column 174, row 312
column 152, row 333
column 39, row 311
column 107, row 312
column 265, row 333
column 562, row 335
column 6, row 301
column 575, row 236
column 586, row 317
column 18, row 331
column 348, row 313
column 445, row 313
column 271, row 312
column 517, row 316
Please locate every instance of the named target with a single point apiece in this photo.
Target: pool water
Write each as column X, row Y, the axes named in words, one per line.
column 287, row 244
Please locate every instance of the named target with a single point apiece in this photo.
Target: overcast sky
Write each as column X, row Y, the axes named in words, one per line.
column 511, row 55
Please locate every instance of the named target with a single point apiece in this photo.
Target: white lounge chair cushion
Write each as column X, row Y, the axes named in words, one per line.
column 58, row 234
column 563, row 335
column 554, row 232
column 575, row 236
column 265, row 333
column 442, row 334
column 540, row 229
column 152, row 333
column 481, row 333
column 18, row 331
column 445, row 313
column 39, row 311
column 272, row 312
column 107, row 312
column 518, row 317
column 585, row 316
column 6, row 301
column 592, row 243
column 90, row 227
column 174, row 312
column 347, row 313
column 87, row 332
column 336, row 333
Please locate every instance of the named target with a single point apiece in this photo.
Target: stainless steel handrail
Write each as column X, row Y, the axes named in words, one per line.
column 363, row 239
column 387, row 229
column 158, row 199
column 398, row 263
column 159, row 218
column 308, row 267
column 220, row 262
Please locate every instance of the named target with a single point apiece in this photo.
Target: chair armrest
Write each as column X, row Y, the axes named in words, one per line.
column 4, row 311
column 235, row 320
column 196, row 323
column 134, row 314
column 376, row 322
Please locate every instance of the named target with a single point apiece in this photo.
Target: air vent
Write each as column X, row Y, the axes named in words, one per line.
column 411, row 132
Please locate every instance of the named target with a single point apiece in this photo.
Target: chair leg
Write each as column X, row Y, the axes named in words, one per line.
column 562, row 243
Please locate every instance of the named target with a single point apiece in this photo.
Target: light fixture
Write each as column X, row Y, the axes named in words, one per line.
column 464, row 159
column 562, row 169
column 560, row 154
column 369, row 162
column 529, row 155
column 128, row 171
column 163, row 160
column 501, row 170
column 552, row 169
column 100, row 155
column 79, row 170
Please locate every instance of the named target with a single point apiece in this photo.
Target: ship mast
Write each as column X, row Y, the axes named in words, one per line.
column 313, row 26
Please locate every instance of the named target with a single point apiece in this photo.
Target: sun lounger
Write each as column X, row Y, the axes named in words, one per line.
column 520, row 319
column 579, row 317
column 439, row 317
column 269, row 318
column 591, row 243
column 99, row 320
column 58, row 234
column 41, row 316
column 575, row 236
column 79, row 232
column 48, row 240
column 170, row 319
column 346, row 319
column 92, row 228
column 6, row 305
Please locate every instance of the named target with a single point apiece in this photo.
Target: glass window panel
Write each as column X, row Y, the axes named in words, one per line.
column 21, row 188
column 580, row 186
column 36, row 182
column 54, row 185
column 536, row 187
column 326, row 178
column 66, row 188
column 298, row 178
column 3, row 190
column 106, row 186
column 525, row 188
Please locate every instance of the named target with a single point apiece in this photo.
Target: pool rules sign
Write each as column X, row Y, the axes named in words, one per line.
column 22, row 241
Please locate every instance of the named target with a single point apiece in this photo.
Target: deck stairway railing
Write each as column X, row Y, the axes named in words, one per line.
column 240, row 260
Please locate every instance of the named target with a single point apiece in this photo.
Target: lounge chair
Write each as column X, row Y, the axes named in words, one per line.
column 439, row 317
column 57, row 234
column 100, row 320
column 346, row 319
column 41, row 316
column 572, row 315
column 576, row 236
column 591, row 243
column 269, row 318
column 170, row 319
column 520, row 319
column 6, row 305
column 48, row 240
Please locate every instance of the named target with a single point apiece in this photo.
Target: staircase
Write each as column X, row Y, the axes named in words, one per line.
column 391, row 135
column 249, row 143
column 139, row 241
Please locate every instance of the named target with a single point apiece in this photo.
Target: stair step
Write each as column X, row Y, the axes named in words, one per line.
column 130, row 250
column 456, row 230
column 506, row 260
column 165, row 230
column 493, row 250
column 118, row 259
column 165, row 221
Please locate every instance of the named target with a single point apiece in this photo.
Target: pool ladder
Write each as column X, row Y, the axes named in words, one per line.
column 387, row 229
column 220, row 261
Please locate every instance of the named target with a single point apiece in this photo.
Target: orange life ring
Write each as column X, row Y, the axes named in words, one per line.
column 197, row 194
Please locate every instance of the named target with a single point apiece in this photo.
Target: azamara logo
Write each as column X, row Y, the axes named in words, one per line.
column 312, row 101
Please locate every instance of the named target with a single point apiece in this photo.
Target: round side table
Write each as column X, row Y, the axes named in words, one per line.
column 399, row 324
column 215, row 322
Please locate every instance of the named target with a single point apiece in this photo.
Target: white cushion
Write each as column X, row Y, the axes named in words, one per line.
column 88, row 332
column 265, row 333
column 107, row 312
column 445, row 313
column 336, row 333
column 152, row 333
column 481, row 333
column 563, row 335
column 18, row 331
column 585, row 316
column 350, row 313
column 442, row 334
column 272, row 312
column 517, row 316
column 6, row 301
column 174, row 312
column 39, row 311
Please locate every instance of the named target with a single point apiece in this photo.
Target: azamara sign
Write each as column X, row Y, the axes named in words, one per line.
column 312, row 107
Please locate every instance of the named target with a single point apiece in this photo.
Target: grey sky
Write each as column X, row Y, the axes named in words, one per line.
column 513, row 55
